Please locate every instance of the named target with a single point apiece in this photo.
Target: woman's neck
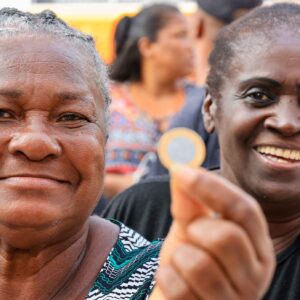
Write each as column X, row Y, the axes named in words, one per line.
column 63, row 271
column 156, row 89
column 28, row 274
column 158, row 81
column 284, row 232
column 159, row 102
column 283, row 217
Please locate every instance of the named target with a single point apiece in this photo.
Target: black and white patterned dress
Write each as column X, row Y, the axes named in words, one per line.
column 129, row 270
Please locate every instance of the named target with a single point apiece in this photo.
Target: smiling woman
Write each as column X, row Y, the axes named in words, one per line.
column 253, row 103
column 53, row 114
column 264, row 134
column 43, row 130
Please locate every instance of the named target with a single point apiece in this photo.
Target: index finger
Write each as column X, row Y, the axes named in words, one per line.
column 223, row 197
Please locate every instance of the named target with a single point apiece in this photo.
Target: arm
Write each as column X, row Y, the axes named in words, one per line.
column 228, row 255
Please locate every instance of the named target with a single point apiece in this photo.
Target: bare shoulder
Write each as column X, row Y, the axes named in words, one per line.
column 103, row 234
column 102, row 237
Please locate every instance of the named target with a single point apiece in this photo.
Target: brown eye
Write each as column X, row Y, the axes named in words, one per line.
column 259, row 96
column 70, row 117
column 5, row 114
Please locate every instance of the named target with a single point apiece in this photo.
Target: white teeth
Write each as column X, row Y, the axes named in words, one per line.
column 273, row 158
column 272, row 150
column 279, row 153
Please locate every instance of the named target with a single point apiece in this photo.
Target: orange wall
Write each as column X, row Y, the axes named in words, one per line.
column 102, row 31
column 98, row 20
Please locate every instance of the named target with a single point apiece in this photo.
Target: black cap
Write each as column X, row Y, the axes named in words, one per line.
column 224, row 10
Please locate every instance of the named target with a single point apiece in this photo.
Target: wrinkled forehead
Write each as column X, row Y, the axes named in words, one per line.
column 46, row 58
column 57, row 65
column 262, row 49
column 45, row 51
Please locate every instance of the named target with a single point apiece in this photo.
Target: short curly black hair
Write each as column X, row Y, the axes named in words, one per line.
column 245, row 36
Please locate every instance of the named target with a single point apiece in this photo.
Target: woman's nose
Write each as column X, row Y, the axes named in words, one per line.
column 286, row 118
column 35, row 142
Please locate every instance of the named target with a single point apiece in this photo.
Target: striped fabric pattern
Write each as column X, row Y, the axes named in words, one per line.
column 128, row 272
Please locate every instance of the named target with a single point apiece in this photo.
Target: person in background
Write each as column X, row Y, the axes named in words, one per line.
column 212, row 15
column 154, row 55
column 253, row 104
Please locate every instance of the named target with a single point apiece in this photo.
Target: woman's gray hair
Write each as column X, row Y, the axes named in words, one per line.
column 14, row 22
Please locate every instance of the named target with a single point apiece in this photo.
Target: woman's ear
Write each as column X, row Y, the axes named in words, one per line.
column 145, row 47
column 209, row 109
column 198, row 24
column 200, row 29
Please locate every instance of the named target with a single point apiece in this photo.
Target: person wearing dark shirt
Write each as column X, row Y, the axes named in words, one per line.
column 144, row 207
column 253, row 105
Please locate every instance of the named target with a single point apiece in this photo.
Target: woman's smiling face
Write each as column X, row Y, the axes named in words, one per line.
column 52, row 138
column 258, row 121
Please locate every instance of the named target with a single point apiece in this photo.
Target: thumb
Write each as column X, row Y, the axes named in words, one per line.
column 184, row 208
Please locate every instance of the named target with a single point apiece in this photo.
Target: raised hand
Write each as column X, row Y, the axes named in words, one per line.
column 218, row 246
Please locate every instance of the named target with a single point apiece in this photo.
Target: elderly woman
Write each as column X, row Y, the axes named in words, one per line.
column 53, row 113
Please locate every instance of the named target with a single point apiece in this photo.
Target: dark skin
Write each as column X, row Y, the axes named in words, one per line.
column 52, row 141
column 209, row 257
column 258, row 122
column 51, row 155
column 263, row 102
